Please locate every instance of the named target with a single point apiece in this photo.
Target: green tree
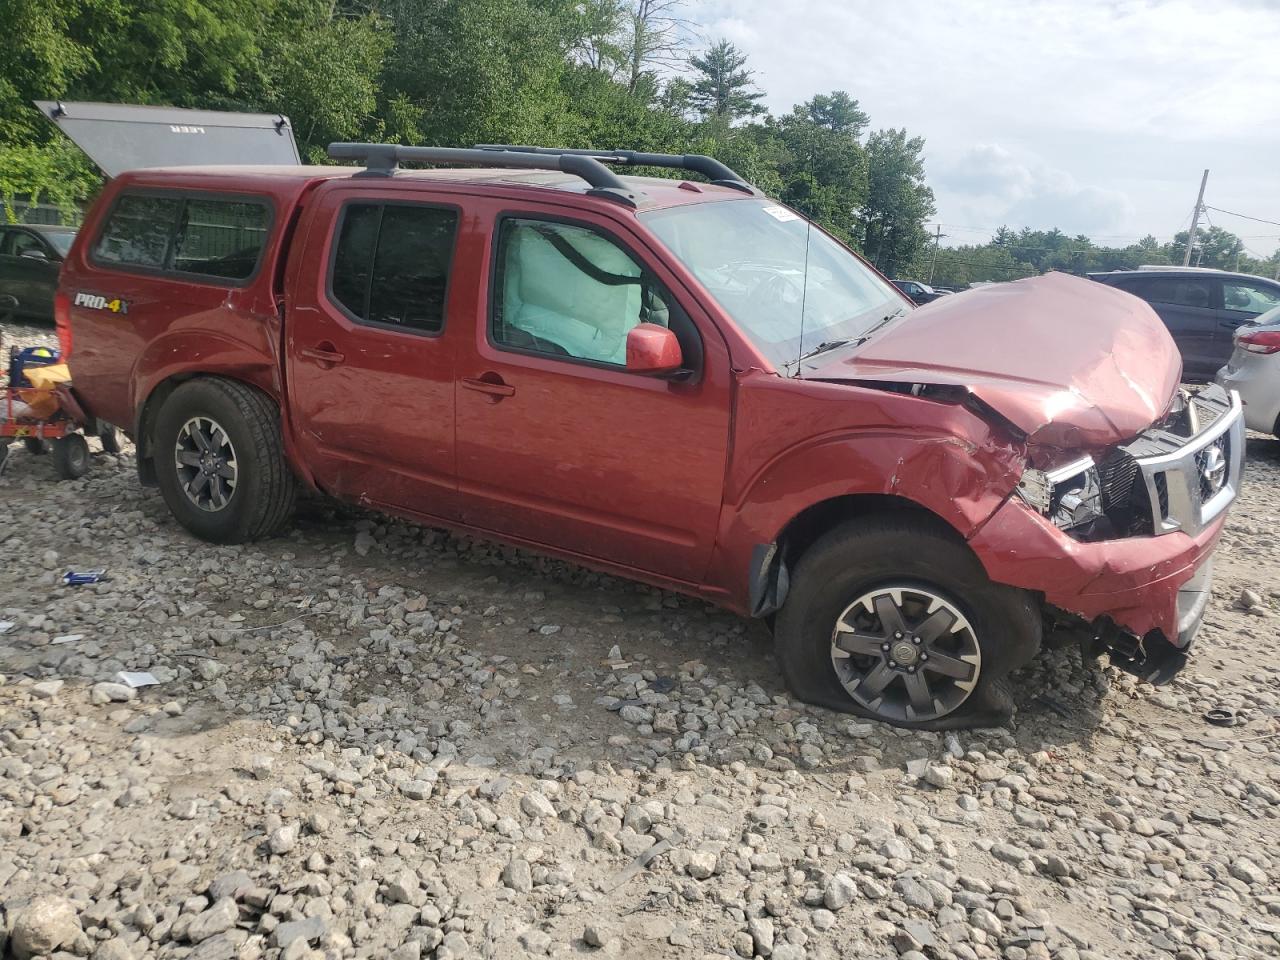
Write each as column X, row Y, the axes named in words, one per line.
column 1214, row 247
column 824, row 168
column 723, row 89
column 891, row 220
column 325, row 75
column 56, row 173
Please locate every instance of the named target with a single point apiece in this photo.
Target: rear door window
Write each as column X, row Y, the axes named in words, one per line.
column 218, row 239
column 1249, row 298
column 391, row 264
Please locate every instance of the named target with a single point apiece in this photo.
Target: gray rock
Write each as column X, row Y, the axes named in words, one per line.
column 518, row 875
column 230, row 885
column 536, row 805
column 47, row 689
column 218, row 918
column 307, row 931
column 283, row 839
column 44, row 925
column 417, row 789
column 938, row 775
column 405, row 888
column 107, row 692
column 839, row 892
column 113, row 950
column 453, row 947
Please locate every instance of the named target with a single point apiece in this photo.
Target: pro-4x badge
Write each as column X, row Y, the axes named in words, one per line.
column 95, row 302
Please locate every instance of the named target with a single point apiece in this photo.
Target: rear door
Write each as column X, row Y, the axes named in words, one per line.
column 1242, row 302
column 1189, row 307
column 557, row 443
column 369, row 343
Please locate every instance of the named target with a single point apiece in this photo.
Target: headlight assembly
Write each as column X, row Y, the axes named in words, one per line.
column 1070, row 495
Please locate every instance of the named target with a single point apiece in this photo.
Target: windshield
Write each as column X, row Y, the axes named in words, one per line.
column 61, row 240
column 788, row 286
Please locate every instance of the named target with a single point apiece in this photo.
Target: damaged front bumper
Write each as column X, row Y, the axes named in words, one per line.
column 1142, row 597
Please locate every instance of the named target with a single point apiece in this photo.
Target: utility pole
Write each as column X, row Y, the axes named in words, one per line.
column 1195, row 221
column 937, row 237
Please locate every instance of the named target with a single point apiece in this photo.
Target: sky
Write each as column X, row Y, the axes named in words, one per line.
column 1094, row 116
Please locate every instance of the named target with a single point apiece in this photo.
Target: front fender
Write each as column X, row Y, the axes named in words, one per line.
column 939, row 456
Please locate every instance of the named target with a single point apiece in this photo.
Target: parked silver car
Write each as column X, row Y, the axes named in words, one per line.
column 1254, row 371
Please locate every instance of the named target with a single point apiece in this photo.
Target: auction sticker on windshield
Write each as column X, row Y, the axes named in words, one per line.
column 781, row 213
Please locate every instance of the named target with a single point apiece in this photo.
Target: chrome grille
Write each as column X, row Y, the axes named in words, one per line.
column 1189, row 481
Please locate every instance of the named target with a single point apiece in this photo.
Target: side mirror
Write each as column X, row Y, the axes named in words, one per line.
column 34, row 253
column 653, row 350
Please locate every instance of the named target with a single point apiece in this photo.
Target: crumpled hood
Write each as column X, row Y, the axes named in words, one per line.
column 1070, row 362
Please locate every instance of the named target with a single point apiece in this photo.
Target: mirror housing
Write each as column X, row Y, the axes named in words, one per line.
column 35, row 253
column 653, row 350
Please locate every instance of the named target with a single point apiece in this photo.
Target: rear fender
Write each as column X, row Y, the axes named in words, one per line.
column 185, row 355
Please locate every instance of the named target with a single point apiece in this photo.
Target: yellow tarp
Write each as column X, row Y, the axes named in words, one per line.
column 40, row 396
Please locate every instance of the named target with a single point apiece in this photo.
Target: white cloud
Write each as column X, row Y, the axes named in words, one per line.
column 989, row 185
column 1102, row 102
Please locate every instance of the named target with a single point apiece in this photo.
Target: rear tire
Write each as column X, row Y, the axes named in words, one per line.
column 71, row 456
column 926, row 639
column 219, row 461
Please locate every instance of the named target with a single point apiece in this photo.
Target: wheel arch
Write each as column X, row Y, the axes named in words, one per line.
column 772, row 562
column 149, row 409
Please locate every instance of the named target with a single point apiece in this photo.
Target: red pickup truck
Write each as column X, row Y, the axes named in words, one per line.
column 675, row 380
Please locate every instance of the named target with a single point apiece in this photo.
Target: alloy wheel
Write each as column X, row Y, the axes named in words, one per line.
column 906, row 653
column 206, row 464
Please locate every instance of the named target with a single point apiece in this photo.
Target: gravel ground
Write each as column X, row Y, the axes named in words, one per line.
column 370, row 739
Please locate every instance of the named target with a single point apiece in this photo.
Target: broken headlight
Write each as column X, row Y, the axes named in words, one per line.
column 1069, row 495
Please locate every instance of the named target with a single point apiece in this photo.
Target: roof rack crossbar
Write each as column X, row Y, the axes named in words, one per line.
column 383, row 159
column 709, row 167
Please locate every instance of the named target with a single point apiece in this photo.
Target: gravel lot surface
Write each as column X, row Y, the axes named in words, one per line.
column 370, row 739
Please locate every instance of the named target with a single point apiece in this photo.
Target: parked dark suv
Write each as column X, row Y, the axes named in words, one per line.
column 920, row 293
column 1202, row 308
column 30, row 257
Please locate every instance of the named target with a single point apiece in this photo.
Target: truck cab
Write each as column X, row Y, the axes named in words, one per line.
column 679, row 381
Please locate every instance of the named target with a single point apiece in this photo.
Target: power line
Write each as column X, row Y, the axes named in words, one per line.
column 1243, row 216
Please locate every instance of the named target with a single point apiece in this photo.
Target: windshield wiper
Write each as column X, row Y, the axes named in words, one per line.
column 823, row 347
column 826, row 345
column 866, row 334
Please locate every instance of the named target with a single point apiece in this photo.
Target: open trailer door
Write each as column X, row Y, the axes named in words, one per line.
column 119, row 137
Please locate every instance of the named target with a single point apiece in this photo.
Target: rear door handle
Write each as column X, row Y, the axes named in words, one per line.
column 491, row 384
column 323, row 353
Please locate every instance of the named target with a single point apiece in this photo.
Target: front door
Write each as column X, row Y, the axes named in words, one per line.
column 28, row 272
column 370, row 356
column 557, row 443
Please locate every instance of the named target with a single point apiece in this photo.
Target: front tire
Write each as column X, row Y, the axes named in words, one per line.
column 219, row 461
column 892, row 617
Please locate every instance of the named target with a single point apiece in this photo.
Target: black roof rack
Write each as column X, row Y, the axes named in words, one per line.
column 709, row 167
column 382, row 160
